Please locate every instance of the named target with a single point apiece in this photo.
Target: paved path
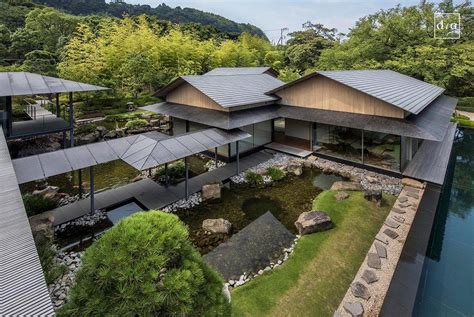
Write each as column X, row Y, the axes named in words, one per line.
column 151, row 194
column 288, row 149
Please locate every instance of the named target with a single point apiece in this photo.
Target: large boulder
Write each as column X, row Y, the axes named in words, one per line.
column 217, row 225
column 42, row 226
column 313, row 221
column 341, row 185
column 412, row 183
column 295, row 167
column 47, row 192
column 374, row 195
column 211, row 192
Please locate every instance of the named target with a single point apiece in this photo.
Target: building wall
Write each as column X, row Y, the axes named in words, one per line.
column 323, row 93
column 298, row 129
column 186, row 94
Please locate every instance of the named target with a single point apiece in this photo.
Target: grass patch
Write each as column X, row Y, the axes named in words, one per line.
column 463, row 121
column 316, row 277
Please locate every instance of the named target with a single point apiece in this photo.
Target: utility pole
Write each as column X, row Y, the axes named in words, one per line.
column 282, row 35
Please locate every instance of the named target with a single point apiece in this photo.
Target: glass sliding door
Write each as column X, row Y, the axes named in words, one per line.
column 382, row 150
column 341, row 142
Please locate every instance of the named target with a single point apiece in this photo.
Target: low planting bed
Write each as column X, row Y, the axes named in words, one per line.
column 322, row 266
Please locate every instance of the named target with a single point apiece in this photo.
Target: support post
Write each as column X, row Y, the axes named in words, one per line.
column 91, row 177
column 80, row 183
column 237, row 160
column 71, row 122
column 215, row 156
column 64, row 139
column 166, row 174
column 362, row 147
column 8, row 110
column 186, row 176
column 58, row 109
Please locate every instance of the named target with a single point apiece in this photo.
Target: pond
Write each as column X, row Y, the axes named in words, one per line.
column 447, row 281
column 241, row 205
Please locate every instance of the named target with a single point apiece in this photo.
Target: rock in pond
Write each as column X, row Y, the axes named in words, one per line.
column 340, row 185
column 295, row 167
column 313, row 221
column 219, row 225
column 341, row 196
column 211, row 192
column 374, row 195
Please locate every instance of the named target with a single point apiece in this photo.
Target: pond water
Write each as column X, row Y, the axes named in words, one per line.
column 241, row 205
column 125, row 210
column 447, row 282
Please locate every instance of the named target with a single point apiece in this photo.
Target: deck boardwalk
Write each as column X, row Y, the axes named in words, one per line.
column 23, row 290
column 151, row 194
column 431, row 161
column 288, row 149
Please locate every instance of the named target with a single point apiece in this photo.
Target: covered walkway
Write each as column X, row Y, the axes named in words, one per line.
column 152, row 195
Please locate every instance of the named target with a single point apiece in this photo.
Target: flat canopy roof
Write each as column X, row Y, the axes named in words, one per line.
column 142, row 152
column 25, row 84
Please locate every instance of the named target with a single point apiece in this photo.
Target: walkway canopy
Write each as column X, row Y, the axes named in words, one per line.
column 25, row 84
column 142, row 152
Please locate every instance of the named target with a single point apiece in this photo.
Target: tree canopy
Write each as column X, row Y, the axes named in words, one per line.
column 145, row 266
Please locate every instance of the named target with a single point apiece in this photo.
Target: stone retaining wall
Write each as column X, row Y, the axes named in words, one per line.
column 367, row 291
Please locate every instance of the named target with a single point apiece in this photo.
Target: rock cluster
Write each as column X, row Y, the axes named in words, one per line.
column 211, row 192
column 246, row 277
column 211, row 165
column 59, row 289
column 374, row 195
column 313, row 221
column 87, row 220
column 219, row 225
column 193, row 200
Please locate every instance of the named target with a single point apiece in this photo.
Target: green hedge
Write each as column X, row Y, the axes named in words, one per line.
column 136, row 124
column 145, row 266
column 466, row 104
column 35, row 204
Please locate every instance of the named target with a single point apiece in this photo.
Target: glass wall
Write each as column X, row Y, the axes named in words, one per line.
column 382, row 150
column 179, row 126
column 345, row 143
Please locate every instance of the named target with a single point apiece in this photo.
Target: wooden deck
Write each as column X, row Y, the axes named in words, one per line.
column 288, row 149
column 151, row 194
column 431, row 161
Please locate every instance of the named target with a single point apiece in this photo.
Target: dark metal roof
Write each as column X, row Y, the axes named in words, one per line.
column 432, row 158
column 24, row 84
column 232, row 90
column 219, row 119
column 23, row 290
column 241, row 71
column 142, row 152
column 430, row 124
column 405, row 92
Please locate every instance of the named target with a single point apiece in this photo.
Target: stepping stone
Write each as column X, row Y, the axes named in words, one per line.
column 369, row 276
column 360, row 290
column 381, row 250
column 391, row 224
column 404, row 205
column 381, row 238
column 412, row 195
column 398, row 211
column 399, row 218
column 402, row 199
column 390, row 233
column 373, row 261
column 354, row 309
column 412, row 189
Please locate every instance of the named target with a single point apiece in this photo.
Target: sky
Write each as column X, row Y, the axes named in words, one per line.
column 272, row 15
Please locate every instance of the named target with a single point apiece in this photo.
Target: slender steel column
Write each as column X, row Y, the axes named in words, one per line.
column 80, row 183
column 237, row 156
column 58, row 109
column 8, row 110
column 71, row 122
column 362, row 146
column 64, row 139
column 186, row 176
column 91, row 176
column 215, row 156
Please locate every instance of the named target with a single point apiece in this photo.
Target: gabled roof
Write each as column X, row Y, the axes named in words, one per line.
column 225, row 71
column 405, row 92
column 25, row 84
column 230, row 90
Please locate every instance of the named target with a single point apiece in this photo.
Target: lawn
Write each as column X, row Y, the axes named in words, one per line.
column 316, row 277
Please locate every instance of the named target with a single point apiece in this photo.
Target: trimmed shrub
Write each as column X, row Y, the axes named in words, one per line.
column 86, row 128
column 145, row 266
column 253, row 178
column 276, row 173
column 136, row 124
column 35, row 204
